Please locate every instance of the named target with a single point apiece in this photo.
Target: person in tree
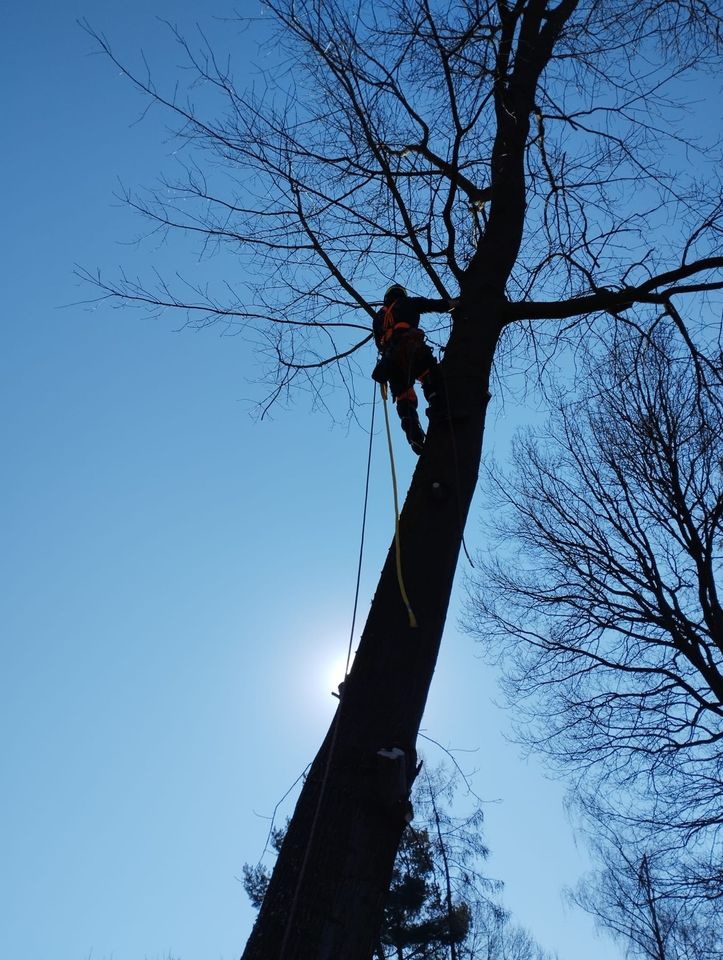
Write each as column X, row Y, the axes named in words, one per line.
column 405, row 357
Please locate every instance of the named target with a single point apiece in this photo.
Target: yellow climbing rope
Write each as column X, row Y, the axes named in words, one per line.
column 397, row 545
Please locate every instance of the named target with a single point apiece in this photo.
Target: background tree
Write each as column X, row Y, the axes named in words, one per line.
column 440, row 903
column 610, row 614
column 418, row 922
column 624, row 898
column 520, row 154
column 502, row 939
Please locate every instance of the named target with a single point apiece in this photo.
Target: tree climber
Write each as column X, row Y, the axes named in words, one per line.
column 405, row 357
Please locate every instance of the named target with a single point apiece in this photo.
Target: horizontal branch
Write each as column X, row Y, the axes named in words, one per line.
column 129, row 293
column 327, row 361
column 612, row 301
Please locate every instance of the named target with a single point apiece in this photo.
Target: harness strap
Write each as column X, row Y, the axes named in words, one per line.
column 389, row 326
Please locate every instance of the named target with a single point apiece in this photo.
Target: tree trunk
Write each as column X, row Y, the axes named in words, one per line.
column 326, row 896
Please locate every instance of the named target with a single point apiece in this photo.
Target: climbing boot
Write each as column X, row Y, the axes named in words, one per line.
column 413, row 430
column 434, row 394
column 437, row 409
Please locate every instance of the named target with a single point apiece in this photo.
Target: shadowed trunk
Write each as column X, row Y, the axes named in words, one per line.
column 327, row 893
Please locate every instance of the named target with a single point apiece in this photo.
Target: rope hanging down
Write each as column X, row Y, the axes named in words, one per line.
column 412, row 623
column 327, row 766
column 363, row 534
column 397, row 543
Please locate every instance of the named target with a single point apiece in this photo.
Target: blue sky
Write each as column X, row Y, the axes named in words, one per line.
column 177, row 578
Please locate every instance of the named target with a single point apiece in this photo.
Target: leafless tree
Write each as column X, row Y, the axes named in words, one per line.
column 626, row 901
column 610, row 610
column 523, row 155
column 501, row 939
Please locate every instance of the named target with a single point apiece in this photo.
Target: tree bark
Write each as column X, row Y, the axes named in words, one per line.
column 326, row 897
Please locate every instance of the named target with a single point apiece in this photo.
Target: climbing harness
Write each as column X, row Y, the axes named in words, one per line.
column 397, row 542
column 390, row 325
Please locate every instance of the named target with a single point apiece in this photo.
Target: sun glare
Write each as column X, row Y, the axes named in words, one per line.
column 333, row 673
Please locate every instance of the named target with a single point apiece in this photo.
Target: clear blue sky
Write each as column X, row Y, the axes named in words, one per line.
column 177, row 579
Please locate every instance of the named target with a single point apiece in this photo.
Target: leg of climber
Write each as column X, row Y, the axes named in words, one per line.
column 426, row 370
column 401, row 381
column 407, row 410
column 433, row 390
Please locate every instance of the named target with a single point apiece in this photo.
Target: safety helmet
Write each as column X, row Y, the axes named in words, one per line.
column 396, row 290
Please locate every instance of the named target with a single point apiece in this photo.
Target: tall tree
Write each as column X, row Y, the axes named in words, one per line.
column 509, row 152
column 611, row 611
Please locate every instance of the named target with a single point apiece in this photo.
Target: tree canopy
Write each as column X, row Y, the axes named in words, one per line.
column 529, row 149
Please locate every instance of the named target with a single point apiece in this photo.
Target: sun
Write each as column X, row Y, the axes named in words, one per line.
column 333, row 672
